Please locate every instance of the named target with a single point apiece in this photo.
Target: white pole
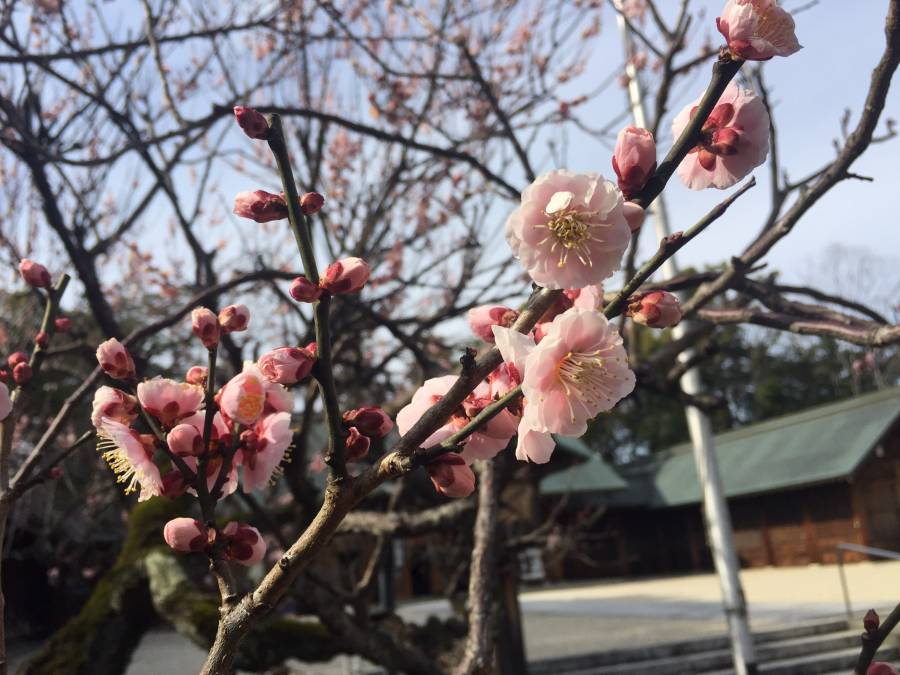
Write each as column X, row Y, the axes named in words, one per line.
column 715, row 509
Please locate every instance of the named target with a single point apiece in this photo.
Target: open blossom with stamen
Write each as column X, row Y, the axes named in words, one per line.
column 243, row 398
column 245, row 544
column 130, row 458
column 757, row 30
column 734, row 140
column 169, row 401
column 113, row 404
column 578, row 370
column 570, row 230
column 115, row 360
column 186, row 535
column 263, row 448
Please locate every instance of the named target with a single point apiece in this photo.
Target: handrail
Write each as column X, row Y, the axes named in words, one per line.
column 858, row 548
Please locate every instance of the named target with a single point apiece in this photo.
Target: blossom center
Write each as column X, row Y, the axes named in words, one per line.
column 584, row 376
column 570, row 233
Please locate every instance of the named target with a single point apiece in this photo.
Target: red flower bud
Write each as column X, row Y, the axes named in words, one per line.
column 205, row 325
column 260, row 206
column 245, row 544
column 345, row 276
column 35, row 274
column 16, row 358
column 42, row 339
column 253, row 123
column 4, row 375
column 634, row 160
column 871, row 621
column 22, row 374
column 311, row 202
column 880, row 668
column 303, row 290
column 357, row 445
column 451, row 475
column 371, row 421
column 62, row 324
column 234, row 318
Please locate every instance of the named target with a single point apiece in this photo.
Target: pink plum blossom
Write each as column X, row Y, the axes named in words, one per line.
column 348, row 275
column 5, row 402
column 130, row 458
column 451, row 476
column 115, row 360
column 634, row 215
column 288, row 365
column 245, row 544
column 197, row 375
column 205, row 325
column 234, row 318
column 570, row 230
column 482, row 318
column 185, row 440
column 278, row 398
column 243, row 398
column 734, row 140
column 113, row 404
column 634, row 159
column 263, row 450
column 186, row 535
column 169, row 401
column 757, row 30
column 657, row 309
column 34, row 274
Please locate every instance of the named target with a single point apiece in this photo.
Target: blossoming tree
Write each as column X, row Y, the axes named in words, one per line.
column 548, row 365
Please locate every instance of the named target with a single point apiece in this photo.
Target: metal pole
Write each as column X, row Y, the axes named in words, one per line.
column 846, row 591
column 715, row 509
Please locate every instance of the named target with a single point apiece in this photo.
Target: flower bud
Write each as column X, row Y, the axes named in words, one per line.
column 115, row 360
column 185, row 441
column 634, row 215
column 22, row 374
column 173, row 485
column 482, row 318
column 234, row 318
column 371, row 421
column 185, row 534
column 35, row 274
column 345, row 276
column 634, row 159
column 260, row 206
column 197, row 375
column 5, row 402
column 288, row 365
column 42, row 339
column 657, row 309
column 63, row 324
column 253, row 123
column 16, row 358
column 357, row 445
column 303, row 290
column 451, row 475
column 245, row 544
column 871, row 621
column 205, row 325
column 4, row 375
column 311, row 202
column 880, row 668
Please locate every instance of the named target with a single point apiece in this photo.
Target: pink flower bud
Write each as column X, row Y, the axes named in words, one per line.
column 5, row 402
column 55, row 473
column 880, row 668
column 311, row 202
column 205, row 326
column 260, row 206
column 115, row 360
column 245, row 544
column 22, row 374
column 113, row 404
column 234, row 318
column 287, row 365
column 757, row 30
column 345, row 276
column 42, row 339
column 243, row 398
column 185, row 534
column 303, row 290
column 16, row 358
column 63, row 324
column 357, row 445
column 657, row 309
column 871, row 621
column 371, row 421
column 35, row 274
column 634, row 215
column 197, row 375
column 482, row 318
column 185, row 441
column 634, row 159
column 451, row 476
column 173, row 485
column 253, row 123
column 4, row 375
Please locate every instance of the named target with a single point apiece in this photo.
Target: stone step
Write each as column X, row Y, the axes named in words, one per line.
column 588, row 662
column 839, row 661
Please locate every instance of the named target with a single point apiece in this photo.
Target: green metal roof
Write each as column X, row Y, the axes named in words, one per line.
column 592, row 475
column 821, row 444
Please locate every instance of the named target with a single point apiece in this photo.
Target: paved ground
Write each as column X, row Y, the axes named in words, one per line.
column 580, row 618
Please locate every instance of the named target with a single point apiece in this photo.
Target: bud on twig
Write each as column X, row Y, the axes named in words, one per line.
column 252, row 122
column 871, row 621
column 34, row 274
column 311, row 202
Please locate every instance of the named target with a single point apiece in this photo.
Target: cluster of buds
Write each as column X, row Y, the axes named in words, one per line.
column 364, row 425
column 17, row 365
column 209, row 327
column 344, row 276
column 240, row 542
column 656, row 309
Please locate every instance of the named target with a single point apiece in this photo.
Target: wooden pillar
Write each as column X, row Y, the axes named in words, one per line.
column 860, row 517
column 809, row 533
column 767, row 539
